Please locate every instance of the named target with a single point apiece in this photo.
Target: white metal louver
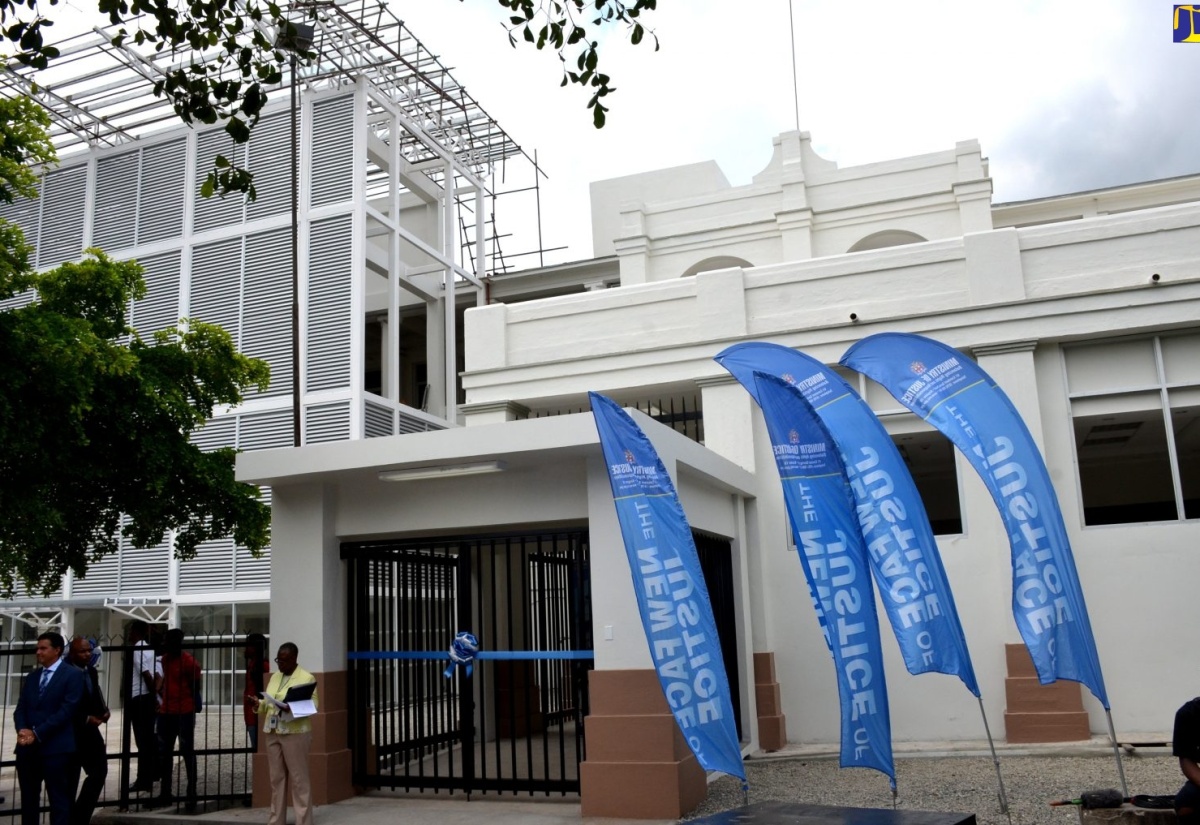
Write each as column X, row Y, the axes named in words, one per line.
column 265, row 430
column 216, row 284
column 25, row 213
column 270, row 161
column 19, row 300
column 210, row 570
column 103, row 578
column 267, row 306
column 64, row 202
column 332, row 151
column 219, row 565
column 160, row 308
column 327, row 422
column 114, row 212
column 161, row 196
column 217, row 433
column 329, row 317
column 144, row 570
column 377, row 420
column 210, row 213
column 250, row 573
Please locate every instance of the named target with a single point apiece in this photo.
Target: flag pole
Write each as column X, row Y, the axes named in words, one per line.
column 995, row 761
column 1112, row 737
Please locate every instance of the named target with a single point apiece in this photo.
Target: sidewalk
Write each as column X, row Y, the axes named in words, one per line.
column 386, row 808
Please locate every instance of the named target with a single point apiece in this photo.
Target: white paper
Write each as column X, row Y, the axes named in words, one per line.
column 302, row 707
column 291, row 710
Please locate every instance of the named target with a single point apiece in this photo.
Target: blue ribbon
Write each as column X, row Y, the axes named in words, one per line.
column 462, row 652
column 510, row 655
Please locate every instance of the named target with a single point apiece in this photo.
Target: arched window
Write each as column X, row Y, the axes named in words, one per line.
column 717, row 262
column 886, row 238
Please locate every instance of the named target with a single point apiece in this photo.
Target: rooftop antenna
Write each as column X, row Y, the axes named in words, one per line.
column 795, row 77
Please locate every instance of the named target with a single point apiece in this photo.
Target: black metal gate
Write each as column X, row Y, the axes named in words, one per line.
column 514, row 722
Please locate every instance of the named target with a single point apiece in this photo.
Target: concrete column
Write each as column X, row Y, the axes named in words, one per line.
column 638, row 765
column 1012, row 366
column 492, row 412
column 795, row 231
column 435, row 356
column 308, row 608
column 721, row 304
column 728, row 419
column 994, row 272
column 633, row 247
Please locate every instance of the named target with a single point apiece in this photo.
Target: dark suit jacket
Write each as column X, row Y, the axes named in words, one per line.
column 52, row 715
column 92, row 704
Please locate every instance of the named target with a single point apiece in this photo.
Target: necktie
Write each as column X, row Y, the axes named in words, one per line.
column 45, row 681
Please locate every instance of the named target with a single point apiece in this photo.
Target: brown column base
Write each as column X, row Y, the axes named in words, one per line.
column 329, row 762
column 772, row 724
column 1037, row 712
column 638, row 765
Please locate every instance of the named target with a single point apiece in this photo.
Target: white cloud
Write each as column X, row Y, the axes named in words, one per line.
column 1063, row 96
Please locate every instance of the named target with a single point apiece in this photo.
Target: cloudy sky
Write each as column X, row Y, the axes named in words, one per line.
column 1062, row 95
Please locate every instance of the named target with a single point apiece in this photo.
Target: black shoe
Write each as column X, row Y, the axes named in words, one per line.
column 160, row 801
column 141, row 787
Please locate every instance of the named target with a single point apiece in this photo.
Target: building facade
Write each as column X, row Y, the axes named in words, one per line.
column 1083, row 308
column 450, row 478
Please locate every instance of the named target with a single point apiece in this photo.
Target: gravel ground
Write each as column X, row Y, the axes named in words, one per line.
column 965, row 784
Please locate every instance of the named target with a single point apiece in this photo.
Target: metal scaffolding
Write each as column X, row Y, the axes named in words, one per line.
column 100, row 94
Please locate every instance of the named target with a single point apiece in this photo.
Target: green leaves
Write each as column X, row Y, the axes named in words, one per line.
column 25, row 147
column 563, row 24
column 95, row 423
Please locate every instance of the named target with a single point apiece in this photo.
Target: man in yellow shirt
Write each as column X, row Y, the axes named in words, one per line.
column 288, row 738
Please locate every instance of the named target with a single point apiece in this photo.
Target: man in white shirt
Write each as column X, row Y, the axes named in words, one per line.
column 143, row 707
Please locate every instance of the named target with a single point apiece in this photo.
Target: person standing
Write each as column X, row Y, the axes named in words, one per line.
column 288, row 739
column 1185, row 744
column 45, row 719
column 143, row 707
column 256, row 668
column 177, row 714
column 92, row 755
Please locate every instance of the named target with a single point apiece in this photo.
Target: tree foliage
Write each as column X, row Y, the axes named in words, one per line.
column 231, row 60
column 569, row 24
column 96, row 422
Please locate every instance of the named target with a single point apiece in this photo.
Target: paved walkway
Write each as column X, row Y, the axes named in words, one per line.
column 388, row 808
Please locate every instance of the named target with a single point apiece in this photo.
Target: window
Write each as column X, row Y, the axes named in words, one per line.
column 1134, row 409
column 221, row 628
column 927, row 453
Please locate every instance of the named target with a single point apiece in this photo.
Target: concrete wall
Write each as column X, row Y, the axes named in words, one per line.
column 1009, row 297
column 667, row 223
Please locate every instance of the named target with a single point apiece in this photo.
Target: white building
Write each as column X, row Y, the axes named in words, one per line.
column 456, row 490
column 1083, row 307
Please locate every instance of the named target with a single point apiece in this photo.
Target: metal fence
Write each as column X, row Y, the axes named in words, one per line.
column 683, row 413
column 223, row 754
column 514, row 722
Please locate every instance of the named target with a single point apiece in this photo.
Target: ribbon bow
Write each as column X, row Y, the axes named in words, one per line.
column 462, row 652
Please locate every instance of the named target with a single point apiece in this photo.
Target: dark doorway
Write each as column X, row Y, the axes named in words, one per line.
column 716, row 563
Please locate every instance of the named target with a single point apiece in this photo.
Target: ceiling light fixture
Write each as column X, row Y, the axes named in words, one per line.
column 442, row 471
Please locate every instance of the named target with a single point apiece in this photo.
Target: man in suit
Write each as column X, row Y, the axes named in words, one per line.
column 45, row 720
column 89, row 741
